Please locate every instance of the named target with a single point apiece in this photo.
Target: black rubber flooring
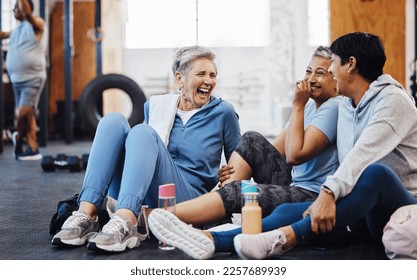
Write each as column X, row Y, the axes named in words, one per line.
column 28, row 200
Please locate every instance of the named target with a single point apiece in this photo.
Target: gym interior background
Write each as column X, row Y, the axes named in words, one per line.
column 120, row 51
column 261, row 52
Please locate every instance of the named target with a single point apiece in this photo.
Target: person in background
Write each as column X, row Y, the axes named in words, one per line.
column 181, row 142
column 377, row 148
column 26, row 67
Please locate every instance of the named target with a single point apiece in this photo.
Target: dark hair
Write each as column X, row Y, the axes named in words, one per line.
column 368, row 49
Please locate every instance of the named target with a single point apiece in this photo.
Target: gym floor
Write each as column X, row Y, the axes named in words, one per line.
column 29, row 197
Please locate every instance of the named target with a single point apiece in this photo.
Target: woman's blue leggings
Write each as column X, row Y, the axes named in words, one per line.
column 129, row 164
column 376, row 196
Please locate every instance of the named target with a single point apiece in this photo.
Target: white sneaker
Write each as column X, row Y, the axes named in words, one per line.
column 170, row 230
column 260, row 246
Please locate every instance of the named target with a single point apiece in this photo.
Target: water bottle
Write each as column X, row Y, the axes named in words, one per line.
column 166, row 201
column 251, row 211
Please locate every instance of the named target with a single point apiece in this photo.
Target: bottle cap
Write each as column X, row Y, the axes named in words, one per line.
column 249, row 186
column 167, row 190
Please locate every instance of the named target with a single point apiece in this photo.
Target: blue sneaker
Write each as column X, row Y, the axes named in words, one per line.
column 29, row 154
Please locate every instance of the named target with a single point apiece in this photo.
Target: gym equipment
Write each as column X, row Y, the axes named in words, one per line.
column 48, row 163
column 91, row 98
column 74, row 164
column 62, row 162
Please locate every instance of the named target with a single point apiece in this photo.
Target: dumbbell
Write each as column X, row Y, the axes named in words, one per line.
column 74, row 164
column 48, row 163
column 61, row 162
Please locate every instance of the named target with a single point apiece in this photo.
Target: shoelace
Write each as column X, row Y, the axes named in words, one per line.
column 74, row 220
column 276, row 246
column 114, row 225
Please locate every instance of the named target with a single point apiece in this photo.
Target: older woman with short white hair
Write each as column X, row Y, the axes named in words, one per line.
column 181, row 142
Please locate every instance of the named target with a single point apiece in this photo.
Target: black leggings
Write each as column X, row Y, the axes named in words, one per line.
column 270, row 171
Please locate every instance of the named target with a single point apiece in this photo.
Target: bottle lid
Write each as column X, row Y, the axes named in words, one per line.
column 167, row 190
column 249, row 186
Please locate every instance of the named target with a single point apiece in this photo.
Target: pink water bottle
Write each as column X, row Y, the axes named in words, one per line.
column 167, row 201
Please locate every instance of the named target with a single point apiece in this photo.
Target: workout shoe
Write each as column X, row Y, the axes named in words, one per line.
column 170, row 230
column 29, row 154
column 260, row 246
column 143, row 227
column 17, row 145
column 76, row 230
column 117, row 235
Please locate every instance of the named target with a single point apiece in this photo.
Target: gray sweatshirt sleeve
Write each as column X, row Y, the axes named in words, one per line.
column 382, row 132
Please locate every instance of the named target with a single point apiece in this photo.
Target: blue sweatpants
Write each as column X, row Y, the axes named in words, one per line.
column 376, row 196
column 129, row 165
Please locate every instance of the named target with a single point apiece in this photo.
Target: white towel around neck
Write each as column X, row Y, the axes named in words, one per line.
column 162, row 110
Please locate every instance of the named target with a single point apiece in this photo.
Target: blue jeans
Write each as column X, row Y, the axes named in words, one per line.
column 129, row 165
column 376, row 196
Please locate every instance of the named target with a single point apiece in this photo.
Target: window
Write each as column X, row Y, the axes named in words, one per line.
column 318, row 23
column 8, row 22
column 220, row 23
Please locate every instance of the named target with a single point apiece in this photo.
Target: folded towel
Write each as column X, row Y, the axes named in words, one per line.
column 162, row 110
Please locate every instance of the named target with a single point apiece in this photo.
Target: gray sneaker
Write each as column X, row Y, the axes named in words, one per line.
column 117, row 235
column 76, row 230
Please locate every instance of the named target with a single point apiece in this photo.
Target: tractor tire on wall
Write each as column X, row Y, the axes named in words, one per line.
column 92, row 95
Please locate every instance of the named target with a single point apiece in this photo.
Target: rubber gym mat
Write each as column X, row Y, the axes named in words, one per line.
column 28, row 200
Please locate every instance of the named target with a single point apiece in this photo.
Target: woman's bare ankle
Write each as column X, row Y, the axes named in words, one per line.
column 290, row 236
column 88, row 209
column 208, row 234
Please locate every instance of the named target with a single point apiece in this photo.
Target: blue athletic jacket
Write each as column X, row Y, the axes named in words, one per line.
column 197, row 147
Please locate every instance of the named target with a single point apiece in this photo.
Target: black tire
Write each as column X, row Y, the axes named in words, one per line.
column 92, row 95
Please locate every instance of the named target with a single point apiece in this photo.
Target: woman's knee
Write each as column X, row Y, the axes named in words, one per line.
column 377, row 173
column 113, row 119
column 376, row 170
column 142, row 131
column 248, row 142
column 375, row 176
column 251, row 136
